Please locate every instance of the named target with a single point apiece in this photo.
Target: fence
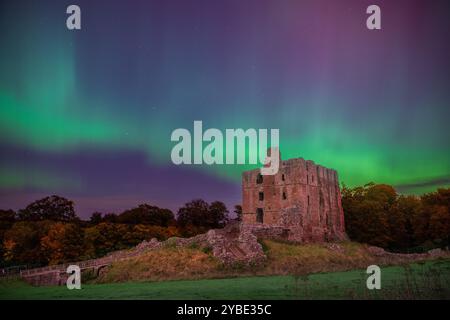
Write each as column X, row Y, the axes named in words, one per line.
column 14, row 271
column 86, row 264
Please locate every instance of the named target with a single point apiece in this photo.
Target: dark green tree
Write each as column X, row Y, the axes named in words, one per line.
column 49, row 208
column 96, row 218
column 147, row 214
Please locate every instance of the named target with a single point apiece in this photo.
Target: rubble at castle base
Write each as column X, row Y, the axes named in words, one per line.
column 236, row 243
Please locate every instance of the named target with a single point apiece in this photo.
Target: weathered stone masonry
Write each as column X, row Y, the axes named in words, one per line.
column 302, row 197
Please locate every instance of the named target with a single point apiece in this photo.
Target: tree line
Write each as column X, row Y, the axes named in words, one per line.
column 377, row 215
column 48, row 231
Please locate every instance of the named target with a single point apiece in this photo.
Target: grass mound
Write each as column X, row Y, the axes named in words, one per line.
column 286, row 258
column 175, row 263
column 169, row 263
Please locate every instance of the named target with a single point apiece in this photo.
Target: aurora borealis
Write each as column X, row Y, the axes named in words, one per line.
column 88, row 114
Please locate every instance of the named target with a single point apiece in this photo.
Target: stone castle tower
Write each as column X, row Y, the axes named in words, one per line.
column 304, row 198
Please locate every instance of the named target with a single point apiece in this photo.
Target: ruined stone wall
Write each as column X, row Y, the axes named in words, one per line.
column 302, row 196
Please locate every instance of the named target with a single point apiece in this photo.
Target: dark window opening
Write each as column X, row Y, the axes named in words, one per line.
column 282, row 177
column 284, row 196
column 259, row 179
column 261, row 196
column 259, row 215
column 308, row 200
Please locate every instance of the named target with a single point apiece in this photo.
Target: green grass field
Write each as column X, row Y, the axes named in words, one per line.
column 426, row 280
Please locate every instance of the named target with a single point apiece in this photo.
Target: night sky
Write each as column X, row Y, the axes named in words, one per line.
column 88, row 114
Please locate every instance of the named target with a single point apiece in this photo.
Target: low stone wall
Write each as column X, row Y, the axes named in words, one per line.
column 262, row 231
column 44, row 279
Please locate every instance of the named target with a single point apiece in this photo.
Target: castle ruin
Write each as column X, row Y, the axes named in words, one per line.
column 301, row 203
column 303, row 198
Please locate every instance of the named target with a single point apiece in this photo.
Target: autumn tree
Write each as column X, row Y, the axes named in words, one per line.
column 437, row 207
column 238, row 212
column 406, row 222
column 22, row 243
column 199, row 213
column 7, row 219
column 96, row 218
column 198, row 216
column 110, row 217
column 49, row 208
column 375, row 214
column 147, row 214
column 63, row 243
column 217, row 215
column 366, row 211
column 194, row 213
column 140, row 232
column 103, row 238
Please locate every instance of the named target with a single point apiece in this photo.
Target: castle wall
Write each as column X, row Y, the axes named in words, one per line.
column 302, row 196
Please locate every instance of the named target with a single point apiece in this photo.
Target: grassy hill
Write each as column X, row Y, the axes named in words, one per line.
column 424, row 280
column 309, row 271
column 175, row 263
